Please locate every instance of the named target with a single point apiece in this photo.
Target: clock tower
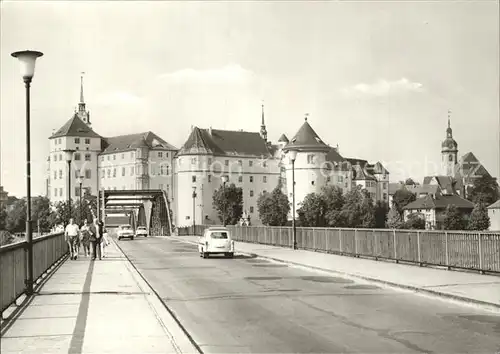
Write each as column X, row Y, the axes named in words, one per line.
column 449, row 152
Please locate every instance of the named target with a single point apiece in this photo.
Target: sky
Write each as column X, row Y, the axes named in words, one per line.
column 376, row 78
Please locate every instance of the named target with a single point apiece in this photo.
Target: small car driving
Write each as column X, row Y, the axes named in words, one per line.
column 216, row 240
column 141, row 231
column 125, row 231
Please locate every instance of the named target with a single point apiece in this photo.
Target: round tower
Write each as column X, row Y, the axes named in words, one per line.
column 449, row 152
column 309, row 164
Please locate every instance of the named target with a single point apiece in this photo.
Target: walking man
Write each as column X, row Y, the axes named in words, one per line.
column 95, row 238
column 71, row 237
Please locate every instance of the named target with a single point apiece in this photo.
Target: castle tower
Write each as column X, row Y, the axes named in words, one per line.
column 449, row 152
column 309, row 163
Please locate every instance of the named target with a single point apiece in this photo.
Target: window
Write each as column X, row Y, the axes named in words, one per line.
column 162, row 170
column 264, row 179
column 87, row 157
column 87, row 141
column 251, row 193
column 77, row 156
column 166, row 154
column 88, row 174
column 264, row 163
column 312, row 183
column 160, row 155
column 60, row 157
column 132, row 170
column 250, row 163
column 384, row 185
column 108, row 157
column 77, row 140
column 114, row 172
column 450, row 158
column 310, row 159
column 218, row 235
column 226, row 162
column 209, row 161
column 251, row 209
column 251, row 178
column 114, row 158
column 102, row 158
column 193, row 179
column 340, row 179
column 60, row 174
column 55, row 177
column 167, row 168
column 327, row 179
column 77, row 173
column 385, row 196
column 193, row 161
column 209, row 178
column 240, row 162
column 109, row 173
column 240, row 179
column 123, row 171
column 123, row 156
column 60, row 192
column 77, row 191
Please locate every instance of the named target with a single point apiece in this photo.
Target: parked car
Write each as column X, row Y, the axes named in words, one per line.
column 141, row 231
column 125, row 231
column 216, row 240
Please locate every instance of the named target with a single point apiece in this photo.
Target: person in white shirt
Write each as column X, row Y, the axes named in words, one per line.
column 71, row 236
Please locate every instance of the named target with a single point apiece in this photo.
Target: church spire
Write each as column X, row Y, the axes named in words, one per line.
column 81, row 88
column 263, row 131
column 82, row 112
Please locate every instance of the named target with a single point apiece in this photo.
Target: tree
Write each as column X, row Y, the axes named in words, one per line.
column 394, row 219
column 479, row 219
column 402, row 198
column 6, row 238
column 380, row 214
column 3, row 219
column 41, row 214
column 312, row 211
column 88, row 209
column 228, row 201
column 484, row 190
column 61, row 213
column 334, row 201
column 358, row 209
column 453, row 219
column 273, row 207
column 415, row 221
column 16, row 216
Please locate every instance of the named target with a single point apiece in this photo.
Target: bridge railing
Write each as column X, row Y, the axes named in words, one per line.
column 47, row 250
column 453, row 249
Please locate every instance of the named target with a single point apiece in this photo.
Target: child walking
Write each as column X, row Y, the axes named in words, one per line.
column 104, row 243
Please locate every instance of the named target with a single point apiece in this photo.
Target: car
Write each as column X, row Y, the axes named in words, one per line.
column 125, row 231
column 141, row 231
column 216, row 240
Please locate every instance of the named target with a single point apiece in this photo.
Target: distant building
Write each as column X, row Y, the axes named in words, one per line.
column 434, row 197
column 494, row 215
column 4, row 197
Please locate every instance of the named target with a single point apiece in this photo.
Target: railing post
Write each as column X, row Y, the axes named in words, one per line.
column 314, row 239
column 356, row 242
column 327, row 249
column 395, row 245
column 446, row 249
column 340, row 242
column 480, row 254
column 418, row 249
column 375, row 243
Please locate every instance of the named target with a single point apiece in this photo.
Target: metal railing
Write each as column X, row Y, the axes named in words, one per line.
column 453, row 249
column 47, row 250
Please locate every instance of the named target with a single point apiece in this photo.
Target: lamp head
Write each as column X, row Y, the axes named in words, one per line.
column 224, row 179
column 80, row 179
column 27, row 59
column 68, row 155
column 292, row 154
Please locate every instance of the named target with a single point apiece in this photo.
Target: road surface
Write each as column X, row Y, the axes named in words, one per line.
column 250, row 305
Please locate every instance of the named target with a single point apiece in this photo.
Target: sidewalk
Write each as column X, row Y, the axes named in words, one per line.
column 473, row 288
column 95, row 307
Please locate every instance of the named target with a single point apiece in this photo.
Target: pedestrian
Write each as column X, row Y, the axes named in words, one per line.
column 85, row 238
column 105, row 241
column 71, row 236
column 95, row 239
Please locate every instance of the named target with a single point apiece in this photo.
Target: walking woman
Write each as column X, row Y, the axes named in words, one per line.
column 85, row 238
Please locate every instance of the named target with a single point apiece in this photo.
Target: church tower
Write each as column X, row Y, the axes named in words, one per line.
column 263, row 131
column 82, row 113
column 449, row 152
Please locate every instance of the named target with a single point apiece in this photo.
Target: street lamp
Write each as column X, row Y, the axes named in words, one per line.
column 80, row 180
column 224, row 181
column 293, row 156
column 69, row 156
column 194, row 209
column 27, row 60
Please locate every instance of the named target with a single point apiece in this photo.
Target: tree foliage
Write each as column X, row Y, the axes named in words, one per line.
column 484, row 190
column 453, row 219
column 88, row 209
column 381, row 214
column 273, row 207
column 3, row 219
column 415, row 221
column 358, row 210
column 16, row 218
column 402, row 198
column 312, row 211
column 479, row 219
column 228, row 201
column 334, row 202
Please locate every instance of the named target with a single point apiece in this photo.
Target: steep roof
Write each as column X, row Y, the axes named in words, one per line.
column 495, row 205
column 354, row 161
column 380, row 169
column 446, row 183
column 133, row 141
column 75, row 127
column 224, row 142
column 306, row 139
column 440, row 202
column 470, row 167
column 334, row 157
column 360, row 174
column 283, row 139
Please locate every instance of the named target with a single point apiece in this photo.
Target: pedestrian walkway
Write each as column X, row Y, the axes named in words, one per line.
column 483, row 290
column 100, row 306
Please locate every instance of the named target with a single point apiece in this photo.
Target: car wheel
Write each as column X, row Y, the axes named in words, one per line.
column 132, row 238
column 119, row 238
column 231, row 255
column 205, row 255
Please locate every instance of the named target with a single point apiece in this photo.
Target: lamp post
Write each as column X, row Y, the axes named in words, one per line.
column 224, row 181
column 69, row 156
column 27, row 60
column 293, row 156
column 194, row 210
column 80, row 180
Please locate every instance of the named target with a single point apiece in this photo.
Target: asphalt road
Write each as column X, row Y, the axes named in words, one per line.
column 250, row 305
